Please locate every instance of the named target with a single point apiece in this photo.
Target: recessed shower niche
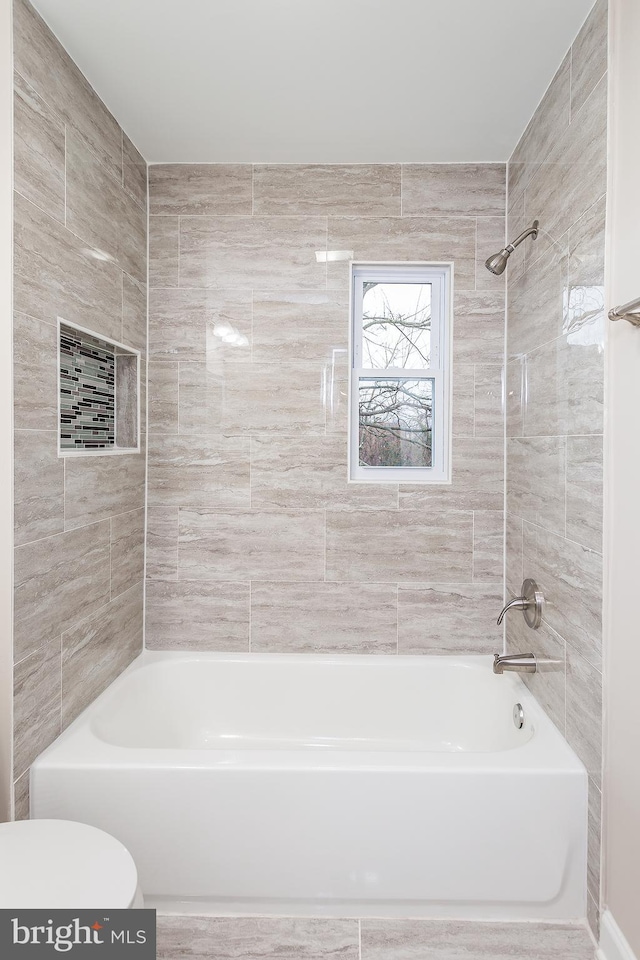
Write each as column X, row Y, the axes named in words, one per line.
column 99, row 394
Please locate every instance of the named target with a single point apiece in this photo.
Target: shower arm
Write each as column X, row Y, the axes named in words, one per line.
column 530, row 231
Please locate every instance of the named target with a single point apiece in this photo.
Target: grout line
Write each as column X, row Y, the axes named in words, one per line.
column 397, row 619
column 566, row 458
column 475, row 259
column 571, row 83
column 325, row 547
column 250, row 616
column 178, row 264
column 473, row 545
column 359, row 939
column 65, row 174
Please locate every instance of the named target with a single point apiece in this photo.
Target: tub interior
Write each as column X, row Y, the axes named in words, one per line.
column 317, row 704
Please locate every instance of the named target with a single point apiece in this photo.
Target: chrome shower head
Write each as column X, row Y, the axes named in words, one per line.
column 498, row 262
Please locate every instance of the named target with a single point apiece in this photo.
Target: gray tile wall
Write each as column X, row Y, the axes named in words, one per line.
column 255, row 539
column 79, row 523
column 555, row 341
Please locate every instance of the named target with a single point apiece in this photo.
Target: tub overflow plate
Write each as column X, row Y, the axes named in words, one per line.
column 518, row 716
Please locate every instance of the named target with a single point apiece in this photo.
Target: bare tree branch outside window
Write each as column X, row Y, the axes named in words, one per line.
column 395, row 413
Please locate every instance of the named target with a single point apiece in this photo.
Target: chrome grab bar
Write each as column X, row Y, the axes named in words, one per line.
column 628, row 311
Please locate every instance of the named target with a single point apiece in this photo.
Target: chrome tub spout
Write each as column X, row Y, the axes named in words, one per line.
column 519, row 662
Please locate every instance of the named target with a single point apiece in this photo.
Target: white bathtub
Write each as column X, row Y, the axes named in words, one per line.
column 365, row 785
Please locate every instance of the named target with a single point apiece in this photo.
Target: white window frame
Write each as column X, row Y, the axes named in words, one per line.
column 440, row 276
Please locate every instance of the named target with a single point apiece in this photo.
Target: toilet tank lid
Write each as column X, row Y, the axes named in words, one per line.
column 49, row 864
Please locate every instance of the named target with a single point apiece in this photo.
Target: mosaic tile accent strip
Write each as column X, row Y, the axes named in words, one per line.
column 87, row 391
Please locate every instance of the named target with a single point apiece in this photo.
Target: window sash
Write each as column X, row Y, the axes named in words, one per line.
column 438, row 372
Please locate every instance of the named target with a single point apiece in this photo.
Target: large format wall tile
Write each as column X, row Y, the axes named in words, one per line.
column 536, row 475
column 36, row 702
column 477, row 479
column 488, row 401
column 100, row 487
column 467, row 940
column 199, row 471
column 35, row 374
column 324, row 617
column 584, row 712
column 515, row 382
column 564, row 389
column 536, row 302
column 196, row 615
column 449, row 619
column 406, row 238
column 38, row 502
column 241, row 938
column 268, row 253
column 514, row 565
column 57, row 582
column 202, row 400
column 201, row 189
column 134, row 314
column 488, row 546
column 490, row 237
column 41, row 60
column 310, row 472
column 463, row 399
column 266, row 397
column 164, row 245
column 584, row 494
column 102, row 213
column 453, row 190
column 594, row 841
column 163, row 397
column 589, row 55
column 57, row 275
column 251, row 545
column 357, row 190
column 184, row 324
column 574, row 175
column 96, row 651
column 134, row 171
column 478, row 326
column 39, row 146
column 127, row 551
column 299, row 325
column 584, row 314
column 570, row 579
column 546, row 127
column 162, row 543
column 21, row 797
column 400, row 546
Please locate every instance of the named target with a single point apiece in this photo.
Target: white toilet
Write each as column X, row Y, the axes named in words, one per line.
column 49, row 864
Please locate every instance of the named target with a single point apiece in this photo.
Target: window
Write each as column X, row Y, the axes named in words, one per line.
column 400, row 379
column 99, row 394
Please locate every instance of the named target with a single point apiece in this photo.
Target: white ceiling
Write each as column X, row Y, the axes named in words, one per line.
column 329, row 81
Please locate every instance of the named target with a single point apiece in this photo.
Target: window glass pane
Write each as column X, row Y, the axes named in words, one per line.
column 396, row 325
column 395, row 423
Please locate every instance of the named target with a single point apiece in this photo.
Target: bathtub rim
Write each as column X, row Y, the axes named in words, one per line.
column 79, row 746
